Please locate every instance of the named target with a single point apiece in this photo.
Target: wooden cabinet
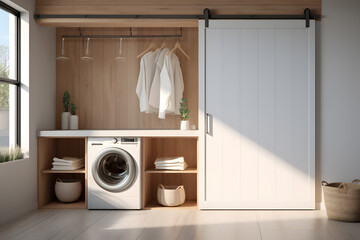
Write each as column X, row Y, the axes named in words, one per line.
column 48, row 148
column 184, row 145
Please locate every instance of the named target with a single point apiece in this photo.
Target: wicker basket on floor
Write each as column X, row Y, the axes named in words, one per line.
column 342, row 200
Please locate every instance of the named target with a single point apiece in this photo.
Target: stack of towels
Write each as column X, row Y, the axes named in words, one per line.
column 166, row 163
column 67, row 163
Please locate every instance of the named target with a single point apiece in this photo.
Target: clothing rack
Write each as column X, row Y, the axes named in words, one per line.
column 206, row 15
column 131, row 35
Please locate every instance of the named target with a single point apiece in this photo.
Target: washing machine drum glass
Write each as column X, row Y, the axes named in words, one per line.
column 114, row 169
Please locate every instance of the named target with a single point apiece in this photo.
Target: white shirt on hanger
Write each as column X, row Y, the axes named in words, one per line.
column 171, row 86
column 154, row 98
column 146, row 76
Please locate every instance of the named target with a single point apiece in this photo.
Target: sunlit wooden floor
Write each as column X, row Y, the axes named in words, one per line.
column 178, row 224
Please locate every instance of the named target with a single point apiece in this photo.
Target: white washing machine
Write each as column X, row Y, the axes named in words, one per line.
column 114, row 166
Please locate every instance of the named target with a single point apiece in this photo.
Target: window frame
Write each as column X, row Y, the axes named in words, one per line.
column 14, row 82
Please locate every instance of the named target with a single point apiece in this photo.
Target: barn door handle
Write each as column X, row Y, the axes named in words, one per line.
column 209, row 124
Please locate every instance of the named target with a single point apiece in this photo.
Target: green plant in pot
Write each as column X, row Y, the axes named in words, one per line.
column 184, row 114
column 65, row 116
column 74, row 119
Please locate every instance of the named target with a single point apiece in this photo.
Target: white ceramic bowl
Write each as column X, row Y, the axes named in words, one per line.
column 171, row 196
column 68, row 190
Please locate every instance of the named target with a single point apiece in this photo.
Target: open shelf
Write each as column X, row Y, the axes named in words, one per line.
column 81, row 170
column 58, row 205
column 187, row 205
column 187, row 170
column 155, row 147
column 48, row 148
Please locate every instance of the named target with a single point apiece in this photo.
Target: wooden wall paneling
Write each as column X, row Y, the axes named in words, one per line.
column 105, row 89
column 190, row 73
column 75, row 97
column 121, row 82
column 72, row 80
column 85, row 106
column 61, row 78
column 139, row 45
column 109, row 90
column 71, row 66
column 132, row 69
column 97, row 86
column 176, row 7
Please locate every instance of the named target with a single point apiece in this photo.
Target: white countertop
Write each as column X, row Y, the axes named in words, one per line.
column 118, row 133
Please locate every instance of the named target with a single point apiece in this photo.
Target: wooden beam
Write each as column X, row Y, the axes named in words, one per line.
column 76, row 22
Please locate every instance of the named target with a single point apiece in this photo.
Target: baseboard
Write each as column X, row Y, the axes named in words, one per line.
column 320, row 206
column 6, row 218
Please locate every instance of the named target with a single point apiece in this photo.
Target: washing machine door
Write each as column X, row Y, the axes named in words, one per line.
column 114, row 169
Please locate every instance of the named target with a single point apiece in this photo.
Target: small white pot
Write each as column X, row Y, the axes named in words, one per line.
column 68, row 190
column 65, row 120
column 74, row 122
column 184, row 125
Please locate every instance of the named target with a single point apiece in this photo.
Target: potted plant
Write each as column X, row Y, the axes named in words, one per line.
column 74, row 119
column 184, row 114
column 65, row 116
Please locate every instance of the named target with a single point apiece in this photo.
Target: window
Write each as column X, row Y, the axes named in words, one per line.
column 9, row 76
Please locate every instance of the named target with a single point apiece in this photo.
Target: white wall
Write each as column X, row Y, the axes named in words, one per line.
column 338, row 92
column 18, row 180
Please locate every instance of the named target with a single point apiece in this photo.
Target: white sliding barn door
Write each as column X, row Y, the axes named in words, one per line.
column 259, row 104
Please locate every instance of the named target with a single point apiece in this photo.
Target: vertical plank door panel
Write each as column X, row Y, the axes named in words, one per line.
column 231, row 114
column 284, row 113
column 214, row 164
column 267, row 118
column 259, row 88
column 249, row 114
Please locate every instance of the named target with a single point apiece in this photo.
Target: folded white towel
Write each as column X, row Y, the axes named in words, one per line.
column 67, row 164
column 169, row 160
column 69, row 160
column 169, row 164
column 66, row 168
column 172, row 168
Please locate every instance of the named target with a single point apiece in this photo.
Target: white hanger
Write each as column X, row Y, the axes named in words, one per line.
column 120, row 57
column 151, row 46
column 62, row 57
column 178, row 46
column 159, row 49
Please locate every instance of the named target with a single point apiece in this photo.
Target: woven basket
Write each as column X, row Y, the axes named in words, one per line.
column 342, row 200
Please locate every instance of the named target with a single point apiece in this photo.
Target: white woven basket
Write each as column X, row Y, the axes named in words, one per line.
column 171, row 196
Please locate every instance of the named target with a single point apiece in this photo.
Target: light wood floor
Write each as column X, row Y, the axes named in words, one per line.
column 178, row 224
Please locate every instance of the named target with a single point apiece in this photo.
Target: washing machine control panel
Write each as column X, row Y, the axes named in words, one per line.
column 129, row 140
